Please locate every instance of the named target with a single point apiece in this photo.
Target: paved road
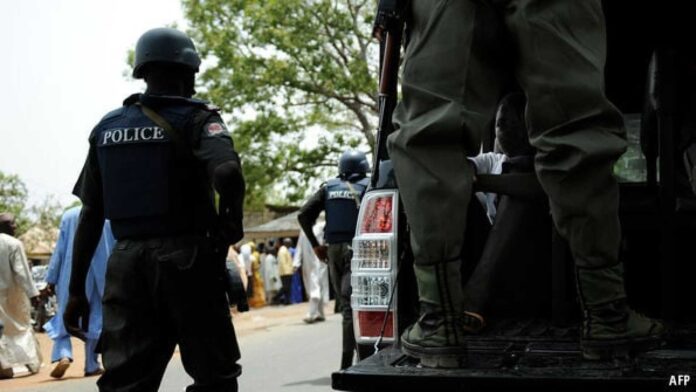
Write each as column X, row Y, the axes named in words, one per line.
column 288, row 357
column 291, row 358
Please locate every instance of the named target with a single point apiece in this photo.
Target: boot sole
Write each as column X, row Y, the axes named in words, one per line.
column 626, row 348
column 437, row 357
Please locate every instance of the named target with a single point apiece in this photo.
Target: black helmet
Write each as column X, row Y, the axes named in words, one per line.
column 165, row 45
column 353, row 162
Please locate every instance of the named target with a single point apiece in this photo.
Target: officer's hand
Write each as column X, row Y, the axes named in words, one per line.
column 230, row 229
column 76, row 316
column 322, row 252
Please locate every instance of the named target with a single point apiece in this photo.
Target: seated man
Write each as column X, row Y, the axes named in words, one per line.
column 511, row 141
column 518, row 211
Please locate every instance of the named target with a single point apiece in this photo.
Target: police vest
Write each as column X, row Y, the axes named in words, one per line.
column 341, row 204
column 151, row 185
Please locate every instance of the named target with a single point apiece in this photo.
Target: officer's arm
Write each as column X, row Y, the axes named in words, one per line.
column 87, row 236
column 89, row 228
column 214, row 147
column 309, row 213
column 229, row 184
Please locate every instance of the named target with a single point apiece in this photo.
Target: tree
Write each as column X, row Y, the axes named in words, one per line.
column 47, row 215
column 286, row 70
column 13, row 199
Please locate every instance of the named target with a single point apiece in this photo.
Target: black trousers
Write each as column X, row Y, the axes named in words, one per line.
column 339, row 271
column 287, row 288
column 160, row 293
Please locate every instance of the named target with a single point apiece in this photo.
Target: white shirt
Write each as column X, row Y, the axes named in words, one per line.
column 245, row 252
column 489, row 163
column 14, row 267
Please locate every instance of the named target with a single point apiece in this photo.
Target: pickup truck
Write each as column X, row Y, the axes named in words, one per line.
column 532, row 340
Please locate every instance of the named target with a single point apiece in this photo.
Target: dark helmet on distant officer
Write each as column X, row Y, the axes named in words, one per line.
column 353, row 163
column 165, row 45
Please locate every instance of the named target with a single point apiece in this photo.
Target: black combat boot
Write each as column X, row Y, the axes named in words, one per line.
column 611, row 329
column 438, row 337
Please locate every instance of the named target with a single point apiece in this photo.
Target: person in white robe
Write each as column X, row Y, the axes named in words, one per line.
column 315, row 275
column 271, row 275
column 18, row 346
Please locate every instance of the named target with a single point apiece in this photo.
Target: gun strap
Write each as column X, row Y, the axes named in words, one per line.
column 354, row 193
column 182, row 147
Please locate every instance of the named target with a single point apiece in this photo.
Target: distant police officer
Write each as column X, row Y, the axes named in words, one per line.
column 340, row 199
column 151, row 169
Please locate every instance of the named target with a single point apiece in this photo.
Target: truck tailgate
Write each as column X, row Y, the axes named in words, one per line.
column 520, row 366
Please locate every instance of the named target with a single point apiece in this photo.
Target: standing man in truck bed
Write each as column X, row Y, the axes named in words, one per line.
column 459, row 58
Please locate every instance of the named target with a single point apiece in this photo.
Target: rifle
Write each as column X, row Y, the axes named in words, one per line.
column 388, row 29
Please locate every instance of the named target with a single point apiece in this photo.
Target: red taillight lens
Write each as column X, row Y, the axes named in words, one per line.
column 378, row 215
column 370, row 323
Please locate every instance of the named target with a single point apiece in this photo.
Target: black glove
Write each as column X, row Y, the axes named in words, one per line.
column 77, row 310
column 230, row 230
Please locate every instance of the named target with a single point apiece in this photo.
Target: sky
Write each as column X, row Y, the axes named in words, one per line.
column 62, row 65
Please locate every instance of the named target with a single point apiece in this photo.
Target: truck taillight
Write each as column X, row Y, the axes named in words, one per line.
column 369, row 324
column 374, row 267
column 372, row 253
column 378, row 217
column 370, row 290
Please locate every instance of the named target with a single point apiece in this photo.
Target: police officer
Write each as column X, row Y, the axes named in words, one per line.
column 459, row 59
column 340, row 199
column 151, row 169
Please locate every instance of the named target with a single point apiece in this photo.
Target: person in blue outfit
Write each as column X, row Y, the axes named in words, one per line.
column 58, row 279
column 296, row 295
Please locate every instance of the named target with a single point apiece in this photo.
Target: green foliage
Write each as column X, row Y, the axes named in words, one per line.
column 13, row 199
column 47, row 214
column 297, row 77
column 127, row 72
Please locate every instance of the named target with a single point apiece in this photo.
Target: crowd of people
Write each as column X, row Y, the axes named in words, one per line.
column 278, row 272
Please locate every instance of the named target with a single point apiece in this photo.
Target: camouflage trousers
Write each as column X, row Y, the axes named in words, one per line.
column 460, row 59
